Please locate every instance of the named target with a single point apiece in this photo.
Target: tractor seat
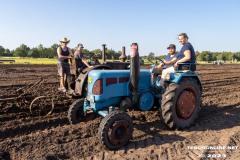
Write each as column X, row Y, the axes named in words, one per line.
column 186, row 67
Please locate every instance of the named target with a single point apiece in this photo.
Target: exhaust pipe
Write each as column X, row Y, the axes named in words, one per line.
column 134, row 71
column 123, row 55
column 103, row 53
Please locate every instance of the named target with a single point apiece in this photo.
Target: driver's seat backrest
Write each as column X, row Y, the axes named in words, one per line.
column 186, row 67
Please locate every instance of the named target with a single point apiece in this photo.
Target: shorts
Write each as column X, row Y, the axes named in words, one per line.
column 167, row 71
column 63, row 68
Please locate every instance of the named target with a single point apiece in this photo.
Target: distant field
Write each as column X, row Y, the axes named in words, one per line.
column 54, row 60
column 36, row 60
column 30, row 60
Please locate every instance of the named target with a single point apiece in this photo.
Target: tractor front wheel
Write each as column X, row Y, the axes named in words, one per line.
column 75, row 112
column 115, row 130
column 181, row 104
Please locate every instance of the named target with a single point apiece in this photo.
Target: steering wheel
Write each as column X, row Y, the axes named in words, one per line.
column 161, row 60
column 150, row 61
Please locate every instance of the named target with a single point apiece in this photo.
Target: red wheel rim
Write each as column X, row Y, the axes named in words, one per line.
column 186, row 104
column 118, row 132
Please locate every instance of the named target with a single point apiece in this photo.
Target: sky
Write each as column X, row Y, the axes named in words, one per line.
column 211, row 25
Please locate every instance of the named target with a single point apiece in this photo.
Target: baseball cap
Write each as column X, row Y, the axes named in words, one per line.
column 134, row 44
column 80, row 45
column 171, row 46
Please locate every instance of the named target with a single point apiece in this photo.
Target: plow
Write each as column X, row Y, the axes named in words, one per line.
column 30, row 97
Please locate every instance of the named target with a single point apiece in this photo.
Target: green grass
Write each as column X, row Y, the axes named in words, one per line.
column 39, row 60
column 30, row 60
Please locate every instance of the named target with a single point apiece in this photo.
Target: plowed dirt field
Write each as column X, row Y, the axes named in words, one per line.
column 25, row 136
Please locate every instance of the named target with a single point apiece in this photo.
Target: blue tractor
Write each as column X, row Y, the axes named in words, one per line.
column 110, row 94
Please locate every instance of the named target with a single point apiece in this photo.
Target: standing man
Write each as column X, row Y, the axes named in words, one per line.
column 64, row 54
column 79, row 59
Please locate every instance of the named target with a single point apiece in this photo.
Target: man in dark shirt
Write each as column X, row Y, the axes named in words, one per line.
column 79, row 58
column 168, row 62
column 170, row 58
column 187, row 53
column 64, row 54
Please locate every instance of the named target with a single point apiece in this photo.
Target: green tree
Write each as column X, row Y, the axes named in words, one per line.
column 7, row 53
column 41, row 51
column 53, row 51
column 117, row 54
column 34, row 53
column 225, row 56
column 97, row 51
column 12, row 52
column 1, row 51
column 219, row 57
column 197, row 53
column 214, row 56
column 234, row 57
column 162, row 57
column 151, row 55
column 22, row 51
column 110, row 53
column 87, row 53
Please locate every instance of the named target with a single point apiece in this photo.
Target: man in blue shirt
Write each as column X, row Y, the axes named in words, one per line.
column 187, row 53
column 168, row 62
column 170, row 58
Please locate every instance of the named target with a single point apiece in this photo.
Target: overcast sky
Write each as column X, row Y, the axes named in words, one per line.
column 212, row 25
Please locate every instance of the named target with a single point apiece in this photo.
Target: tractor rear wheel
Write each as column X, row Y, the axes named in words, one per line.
column 75, row 112
column 115, row 130
column 181, row 104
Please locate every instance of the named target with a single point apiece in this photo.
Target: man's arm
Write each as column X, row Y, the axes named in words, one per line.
column 187, row 57
column 71, row 53
column 85, row 62
column 72, row 59
column 168, row 63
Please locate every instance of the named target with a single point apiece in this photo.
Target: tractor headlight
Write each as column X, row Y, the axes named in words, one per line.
column 168, row 77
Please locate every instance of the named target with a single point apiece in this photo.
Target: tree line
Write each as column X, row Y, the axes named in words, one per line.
column 217, row 56
column 51, row 52
column 208, row 56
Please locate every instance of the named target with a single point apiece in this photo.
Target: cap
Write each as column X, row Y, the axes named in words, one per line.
column 80, row 45
column 171, row 46
column 134, row 44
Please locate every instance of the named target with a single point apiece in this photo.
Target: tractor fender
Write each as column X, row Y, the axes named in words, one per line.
column 197, row 78
column 176, row 78
column 82, row 78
